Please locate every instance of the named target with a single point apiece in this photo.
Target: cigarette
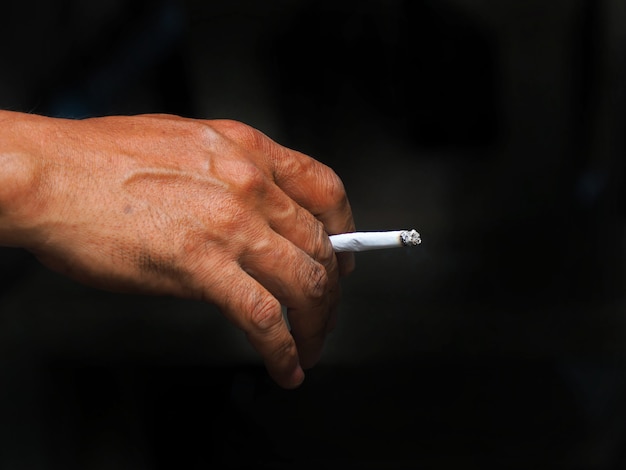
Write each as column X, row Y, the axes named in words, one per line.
column 366, row 241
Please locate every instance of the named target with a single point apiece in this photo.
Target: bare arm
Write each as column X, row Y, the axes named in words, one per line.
column 162, row 205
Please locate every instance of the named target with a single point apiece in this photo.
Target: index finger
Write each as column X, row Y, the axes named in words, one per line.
column 314, row 186
column 311, row 184
column 318, row 189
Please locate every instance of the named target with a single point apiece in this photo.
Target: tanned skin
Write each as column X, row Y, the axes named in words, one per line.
column 212, row 210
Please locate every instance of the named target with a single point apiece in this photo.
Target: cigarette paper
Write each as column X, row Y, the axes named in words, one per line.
column 365, row 241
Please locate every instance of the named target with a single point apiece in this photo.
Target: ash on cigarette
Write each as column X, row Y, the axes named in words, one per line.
column 410, row 238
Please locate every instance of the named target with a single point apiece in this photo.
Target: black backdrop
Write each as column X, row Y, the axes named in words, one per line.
column 494, row 128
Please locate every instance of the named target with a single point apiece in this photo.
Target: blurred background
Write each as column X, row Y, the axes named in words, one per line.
column 496, row 129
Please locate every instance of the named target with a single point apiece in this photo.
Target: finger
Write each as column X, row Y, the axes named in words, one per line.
column 254, row 310
column 318, row 189
column 298, row 225
column 314, row 186
column 300, row 283
column 307, row 233
column 310, row 183
column 346, row 263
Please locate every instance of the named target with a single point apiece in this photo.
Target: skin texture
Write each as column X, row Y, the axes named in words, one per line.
column 163, row 205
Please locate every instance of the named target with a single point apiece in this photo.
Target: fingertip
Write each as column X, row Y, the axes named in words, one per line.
column 346, row 262
column 298, row 376
column 294, row 380
column 310, row 347
column 309, row 359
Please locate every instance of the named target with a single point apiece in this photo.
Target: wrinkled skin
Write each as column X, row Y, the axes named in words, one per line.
column 163, row 205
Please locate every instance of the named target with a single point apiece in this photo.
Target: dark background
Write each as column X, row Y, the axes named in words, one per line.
column 495, row 128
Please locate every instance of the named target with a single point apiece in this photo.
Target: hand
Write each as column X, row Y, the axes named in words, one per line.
column 209, row 210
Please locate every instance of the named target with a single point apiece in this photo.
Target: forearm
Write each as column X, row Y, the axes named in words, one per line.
column 19, row 137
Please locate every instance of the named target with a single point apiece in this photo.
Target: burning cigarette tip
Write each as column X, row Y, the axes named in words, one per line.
column 410, row 238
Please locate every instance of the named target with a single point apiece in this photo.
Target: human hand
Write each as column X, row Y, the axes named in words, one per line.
column 208, row 210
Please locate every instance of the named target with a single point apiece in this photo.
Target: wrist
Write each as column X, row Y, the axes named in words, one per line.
column 20, row 135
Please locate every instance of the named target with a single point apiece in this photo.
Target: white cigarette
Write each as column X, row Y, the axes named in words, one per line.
column 365, row 241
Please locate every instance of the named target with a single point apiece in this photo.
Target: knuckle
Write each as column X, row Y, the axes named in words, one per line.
column 315, row 284
column 239, row 132
column 323, row 248
column 265, row 314
column 335, row 190
column 318, row 230
column 203, row 133
column 230, row 126
column 250, row 178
